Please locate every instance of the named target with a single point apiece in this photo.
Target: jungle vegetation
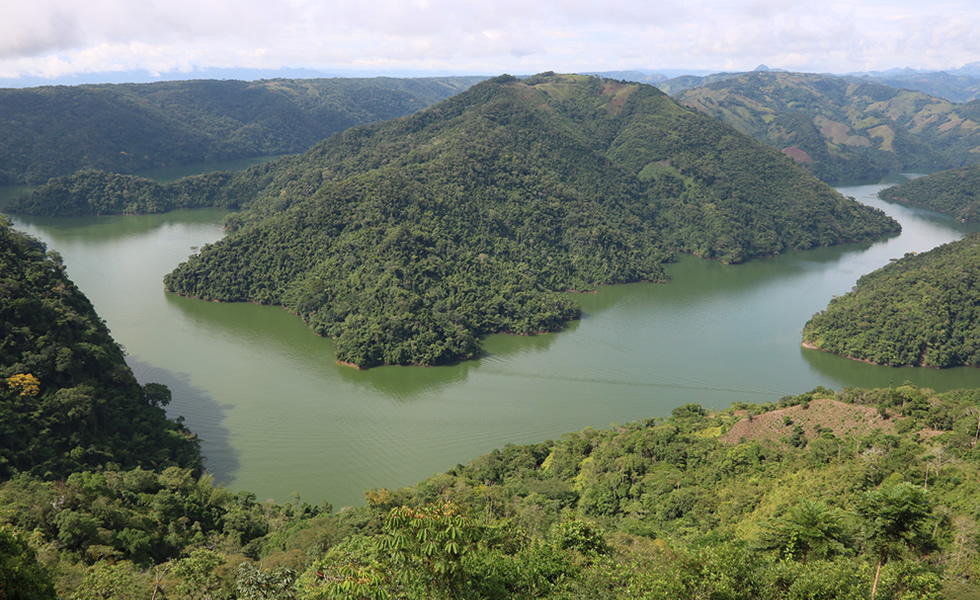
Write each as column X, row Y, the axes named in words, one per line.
column 955, row 192
column 920, row 310
column 408, row 239
column 855, row 495
column 68, row 401
column 93, row 193
column 125, row 128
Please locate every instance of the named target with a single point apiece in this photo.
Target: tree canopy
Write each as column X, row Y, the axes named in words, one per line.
column 920, row 310
column 955, row 192
column 880, row 496
column 68, row 401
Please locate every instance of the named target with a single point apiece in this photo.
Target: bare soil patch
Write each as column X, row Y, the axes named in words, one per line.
column 841, row 418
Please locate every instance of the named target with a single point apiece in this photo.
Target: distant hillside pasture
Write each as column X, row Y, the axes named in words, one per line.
column 843, row 128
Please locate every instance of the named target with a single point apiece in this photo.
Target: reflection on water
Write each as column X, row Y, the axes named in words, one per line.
column 278, row 415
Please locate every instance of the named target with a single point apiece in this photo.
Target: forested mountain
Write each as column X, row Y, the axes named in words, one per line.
column 844, row 128
column 68, row 401
column 856, row 495
column 405, row 240
column 954, row 192
column 923, row 309
column 123, row 128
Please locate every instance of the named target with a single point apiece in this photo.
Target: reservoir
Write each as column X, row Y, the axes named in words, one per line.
column 279, row 417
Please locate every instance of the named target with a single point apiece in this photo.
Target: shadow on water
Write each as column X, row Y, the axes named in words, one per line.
column 411, row 383
column 202, row 415
column 841, row 370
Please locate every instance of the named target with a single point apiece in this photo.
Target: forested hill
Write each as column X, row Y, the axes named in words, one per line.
column 955, row 192
column 844, row 129
column 923, row 309
column 406, row 240
column 124, row 128
column 68, row 401
column 93, row 193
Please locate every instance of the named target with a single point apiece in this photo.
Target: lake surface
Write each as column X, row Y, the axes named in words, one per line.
column 278, row 416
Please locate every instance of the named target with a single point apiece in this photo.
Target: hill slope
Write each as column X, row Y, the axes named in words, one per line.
column 68, row 401
column 405, row 240
column 919, row 310
column 844, row 128
column 51, row 131
column 786, row 500
column 954, row 192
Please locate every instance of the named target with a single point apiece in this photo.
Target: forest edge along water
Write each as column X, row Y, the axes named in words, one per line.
column 279, row 417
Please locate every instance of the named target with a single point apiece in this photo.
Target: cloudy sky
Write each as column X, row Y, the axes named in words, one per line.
column 59, row 38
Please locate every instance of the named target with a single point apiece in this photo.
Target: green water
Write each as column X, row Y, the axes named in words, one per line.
column 278, row 416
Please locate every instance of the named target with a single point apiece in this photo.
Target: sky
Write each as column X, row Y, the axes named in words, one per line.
column 66, row 38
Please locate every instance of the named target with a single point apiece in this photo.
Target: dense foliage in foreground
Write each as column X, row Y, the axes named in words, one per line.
column 955, row 192
column 817, row 496
column 68, row 401
column 57, row 130
column 407, row 240
column 920, row 310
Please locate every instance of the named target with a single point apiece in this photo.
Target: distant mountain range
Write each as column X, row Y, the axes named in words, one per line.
column 961, row 84
column 841, row 128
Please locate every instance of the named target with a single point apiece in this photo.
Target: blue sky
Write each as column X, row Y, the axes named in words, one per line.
column 63, row 38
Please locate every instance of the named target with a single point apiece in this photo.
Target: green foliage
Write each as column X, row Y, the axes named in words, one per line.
column 842, row 129
column 94, row 193
column 954, row 192
column 253, row 583
column 21, row 577
column 808, row 530
column 53, row 131
column 68, row 401
column 112, row 581
column 405, row 241
column 919, row 310
column 895, row 519
column 140, row 516
column 662, row 508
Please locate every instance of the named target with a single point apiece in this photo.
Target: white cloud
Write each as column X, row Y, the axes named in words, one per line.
column 59, row 37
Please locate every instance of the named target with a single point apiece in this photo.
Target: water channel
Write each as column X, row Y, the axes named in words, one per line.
column 279, row 417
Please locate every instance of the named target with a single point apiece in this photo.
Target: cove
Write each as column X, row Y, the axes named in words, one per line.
column 278, row 417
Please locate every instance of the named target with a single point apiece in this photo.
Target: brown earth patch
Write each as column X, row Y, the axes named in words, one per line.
column 798, row 154
column 841, row 418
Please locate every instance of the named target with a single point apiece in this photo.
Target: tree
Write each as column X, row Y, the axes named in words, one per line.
column 21, row 577
column 428, row 544
column 198, row 579
column 894, row 520
column 809, row 530
column 254, row 583
column 106, row 581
